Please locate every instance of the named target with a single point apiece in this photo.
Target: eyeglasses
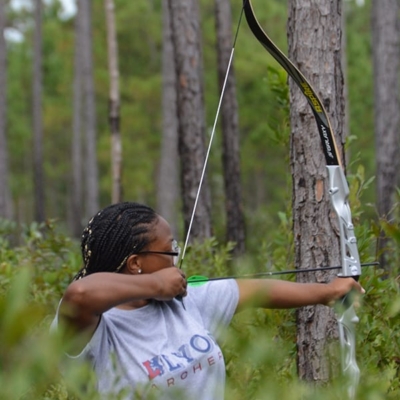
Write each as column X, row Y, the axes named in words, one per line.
column 176, row 251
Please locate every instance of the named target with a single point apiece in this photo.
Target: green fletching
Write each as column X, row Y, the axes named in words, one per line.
column 197, row 280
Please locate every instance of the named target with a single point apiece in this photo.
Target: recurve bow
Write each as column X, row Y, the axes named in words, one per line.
column 339, row 193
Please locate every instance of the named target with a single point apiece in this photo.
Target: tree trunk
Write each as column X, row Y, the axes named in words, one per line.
column 168, row 175
column 38, row 175
column 76, row 214
column 92, row 189
column 5, row 195
column 189, row 72
column 235, row 227
column 386, row 58
column 114, row 104
column 314, row 30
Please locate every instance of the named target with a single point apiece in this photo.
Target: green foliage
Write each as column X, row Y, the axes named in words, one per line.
column 259, row 348
column 380, row 338
column 49, row 256
column 360, row 89
column 262, row 92
column 208, row 258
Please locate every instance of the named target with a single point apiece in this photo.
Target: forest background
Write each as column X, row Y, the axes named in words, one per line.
column 50, row 253
column 263, row 141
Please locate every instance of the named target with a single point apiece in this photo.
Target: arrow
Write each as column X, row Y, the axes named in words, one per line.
column 198, row 280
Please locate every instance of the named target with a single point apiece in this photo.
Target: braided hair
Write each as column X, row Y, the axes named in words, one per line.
column 113, row 234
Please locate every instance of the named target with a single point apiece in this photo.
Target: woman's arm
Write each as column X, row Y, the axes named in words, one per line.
column 271, row 293
column 86, row 299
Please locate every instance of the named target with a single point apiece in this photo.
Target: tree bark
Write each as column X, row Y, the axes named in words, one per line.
column 77, row 145
column 91, row 169
column 314, row 30
column 5, row 195
column 190, row 109
column 38, row 174
column 235, row 226
column 386, row 58
column 114, row 104
column 168, row 175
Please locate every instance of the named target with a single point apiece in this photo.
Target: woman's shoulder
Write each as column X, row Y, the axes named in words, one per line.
column 214, row 295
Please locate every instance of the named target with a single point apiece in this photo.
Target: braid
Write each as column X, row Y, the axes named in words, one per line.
column 113, row 234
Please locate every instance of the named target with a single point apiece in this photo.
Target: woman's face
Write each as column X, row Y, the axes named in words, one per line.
column 163, row 242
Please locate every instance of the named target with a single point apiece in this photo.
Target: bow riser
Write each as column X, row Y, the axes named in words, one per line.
column 339, row 193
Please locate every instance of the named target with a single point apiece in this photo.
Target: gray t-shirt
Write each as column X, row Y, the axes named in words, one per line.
column 163, row 349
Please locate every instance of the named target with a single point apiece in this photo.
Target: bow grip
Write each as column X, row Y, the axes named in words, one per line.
column 339, row 193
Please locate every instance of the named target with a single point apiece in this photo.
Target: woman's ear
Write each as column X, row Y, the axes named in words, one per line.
column 133, row 264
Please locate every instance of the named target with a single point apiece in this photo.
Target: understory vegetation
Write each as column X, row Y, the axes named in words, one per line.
column 259, row 348
column 37, row 261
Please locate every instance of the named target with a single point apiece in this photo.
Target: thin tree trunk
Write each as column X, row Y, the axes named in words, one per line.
column 314, row 30
column 38, row 175
column 5, row 195
column 235, row 228
column 386, row 58
column 92, row 184
column 168, row 176
column 189, row 72
column 77, row 148
column 114, row 104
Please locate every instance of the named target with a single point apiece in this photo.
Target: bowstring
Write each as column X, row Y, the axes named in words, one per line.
column 211, row 139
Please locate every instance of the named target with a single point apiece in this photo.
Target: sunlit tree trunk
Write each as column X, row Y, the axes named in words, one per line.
column 235, row 229
column 114, row 104
column 5, row 196
column 168, row 176
column 189, row 72
column 38, row 174
column 314, row 30
column 91, row 169
column 386, row 58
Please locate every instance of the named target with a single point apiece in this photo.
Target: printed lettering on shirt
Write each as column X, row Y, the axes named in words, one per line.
column 154, row 368
column 184, row 352
column 171, row 365
column 187, row 355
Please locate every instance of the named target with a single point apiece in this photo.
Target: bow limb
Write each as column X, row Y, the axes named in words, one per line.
column 338, row 191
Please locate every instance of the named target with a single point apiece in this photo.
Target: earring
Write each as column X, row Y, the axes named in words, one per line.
column 139, row 271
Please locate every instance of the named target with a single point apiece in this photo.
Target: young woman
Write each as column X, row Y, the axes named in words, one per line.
column 139, row 338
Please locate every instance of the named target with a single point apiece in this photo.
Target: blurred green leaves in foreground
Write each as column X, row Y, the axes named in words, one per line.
column 259, row 348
